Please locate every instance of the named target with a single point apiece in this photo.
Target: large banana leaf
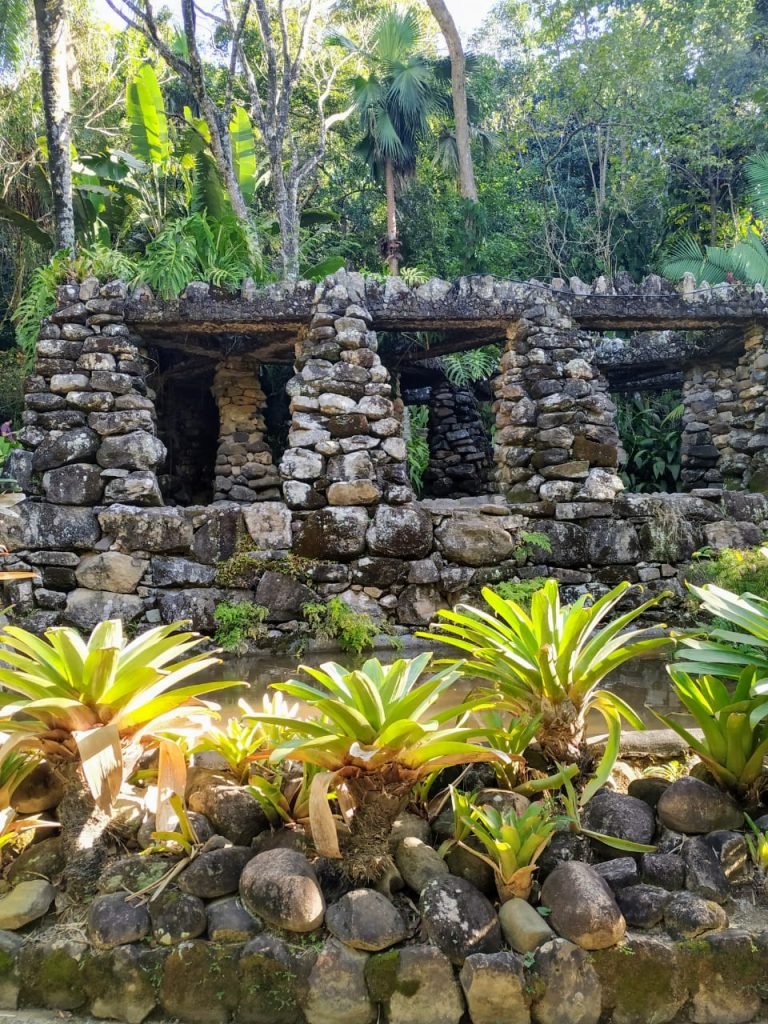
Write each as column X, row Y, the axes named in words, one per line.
column 243, row 152
column 145, row 110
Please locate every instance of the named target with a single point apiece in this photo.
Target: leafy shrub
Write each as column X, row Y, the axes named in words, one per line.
column 237, row 622
column 650, row 429
column 530, row 541
column 741, row 572
column 519, row 591
column 550, row 661
column 466, row 368
column 417, row 444
column 354, row 631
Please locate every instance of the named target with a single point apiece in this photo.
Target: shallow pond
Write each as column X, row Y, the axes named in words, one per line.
column 643, row 684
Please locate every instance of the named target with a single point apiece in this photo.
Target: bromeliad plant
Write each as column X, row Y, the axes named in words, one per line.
column 550, row 661
column 87, row 704
column 734, row 726
column 513, row 843
column 376, row 734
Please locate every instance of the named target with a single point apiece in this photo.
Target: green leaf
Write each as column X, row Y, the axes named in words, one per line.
column 243, row 152
column 145, row 110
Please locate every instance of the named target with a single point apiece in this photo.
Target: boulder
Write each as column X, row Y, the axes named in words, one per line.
column 177, row 917
column 687, row 915
column 75, row 484
column 269, row 983
column 403, row 532
column 416, row 985
column 26, row 902
column 132, row 874
column 419, row 863
column 38, row 860
column 282, row 596
column 232, row 811
column 619, row 815
column 216, row 872
column 79, row 445
column 281, row 887
column 160, row 530
column 582, row 906
column 336, row 534
column 418, row 604
column 569, row 986
column 364, row 919
column 472, row 539
column 119, row 983
column 666, row 870
column 110, row 570
column 51, row 971
column 704, row 874
column 229, row 921
column 523, row 926
column 137, row 450
column 691, row 806
column 643, row 905
column 116, row 920
column 269, row 525
column 494, row 986
column 458, row 919
column 85, row 609
column 336, row 989
column 199, row 983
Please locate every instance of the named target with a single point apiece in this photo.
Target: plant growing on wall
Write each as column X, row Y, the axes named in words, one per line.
column 416, row 431
column 377, row 734
column 86, row 705
column 650, row 427
column 550, row 661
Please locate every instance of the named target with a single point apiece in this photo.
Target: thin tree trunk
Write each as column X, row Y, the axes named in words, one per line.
column 452, row 38
column 287, row 209
column 51, row 20
column 393, row 257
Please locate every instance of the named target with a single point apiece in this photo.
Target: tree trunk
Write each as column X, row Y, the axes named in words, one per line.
column 84, row 836
column 51, row 20
column 393, row 249
column 561, row 735
column 287, row 208
column 452, row 38
column 378, row 800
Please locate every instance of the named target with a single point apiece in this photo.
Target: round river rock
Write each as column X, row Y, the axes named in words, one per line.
column 281, row 887
column 694, row 807
column 459, row 920
column 582, row 907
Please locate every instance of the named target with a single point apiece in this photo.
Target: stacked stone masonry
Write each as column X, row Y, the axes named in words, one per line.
column 244, row 467
column 95, row 526
column 460, row 453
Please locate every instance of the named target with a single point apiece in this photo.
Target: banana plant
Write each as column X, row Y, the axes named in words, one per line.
column 550, row 662
column 375, row 732
column 734, row 726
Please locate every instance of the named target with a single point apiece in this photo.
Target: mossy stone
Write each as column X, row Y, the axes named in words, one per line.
column 270, row 984
column 51, row 976
column 199, row 983
column 642, row 981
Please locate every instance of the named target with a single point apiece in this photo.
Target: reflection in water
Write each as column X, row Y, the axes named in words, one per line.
column 643, row 684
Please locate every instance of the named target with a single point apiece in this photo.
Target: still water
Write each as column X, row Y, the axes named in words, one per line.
column 643, row 684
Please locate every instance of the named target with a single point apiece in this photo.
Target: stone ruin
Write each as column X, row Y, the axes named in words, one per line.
column 160, row 481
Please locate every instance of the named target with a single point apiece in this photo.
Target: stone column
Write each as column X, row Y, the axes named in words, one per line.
column 750, row 424
column 556, row 437
column 89, row 422
column 460, row 453
column 244, row 467
column 345, row 438
column 710, row 449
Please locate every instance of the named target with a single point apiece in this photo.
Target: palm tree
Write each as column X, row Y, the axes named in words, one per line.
column 14, row 23
column 745, row 261
column 394, row 98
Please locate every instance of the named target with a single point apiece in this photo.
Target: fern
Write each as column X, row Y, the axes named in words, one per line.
column 104, row 263
column 417, row 444
column 465, row 368
column 39, row 301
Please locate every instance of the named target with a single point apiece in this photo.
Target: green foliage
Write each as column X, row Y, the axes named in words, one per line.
column 757, row 844
column 741, row 572
column 145, row 112
column 519, row 591
column 550, row 661
column 417, row 444
column 196, row 248
column 513, row 842
column 237, row 622
column 650, row 428
column 246, row 740
column 735, row 727
column 39, row 301
column 476, row 364
column 379, row 716
column 531, row 542
column 354, row 631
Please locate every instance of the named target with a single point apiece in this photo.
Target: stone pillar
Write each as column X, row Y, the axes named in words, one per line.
column 749, row 432
column 460, row 452
column 556, row 437
column 345, row 438
column 710, row 449
column 244, row 467
column 89, row 424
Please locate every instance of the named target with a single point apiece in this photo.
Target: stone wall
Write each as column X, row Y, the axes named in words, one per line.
column 347, row 524
column 460, row 451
